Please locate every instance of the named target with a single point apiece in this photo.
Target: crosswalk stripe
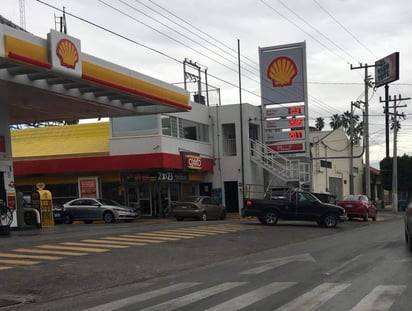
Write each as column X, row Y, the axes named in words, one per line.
column 44, row 251
column 157, row 236
column 380, row 298
column 184, row 233
column 314, row 298
column 118, row 304
column 94, row 244
column 109, row 241
column 176, row 235
column 200, row 232
column 134, row 240
column 250, row 298
column 19, row 262
column 10, row 255
column 193, row 297
column 5, row 268
column 73, row 248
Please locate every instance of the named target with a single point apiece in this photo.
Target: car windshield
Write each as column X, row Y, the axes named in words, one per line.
column 191, row 199
column 352, row 198
column 108, row 202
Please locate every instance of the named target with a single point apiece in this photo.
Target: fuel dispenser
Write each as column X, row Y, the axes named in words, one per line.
column 42, row 201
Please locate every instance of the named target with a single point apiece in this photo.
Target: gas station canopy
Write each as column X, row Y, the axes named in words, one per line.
column 52, row 80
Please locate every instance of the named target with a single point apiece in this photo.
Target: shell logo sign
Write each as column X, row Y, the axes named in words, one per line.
column 281, row 71
column 67, row 52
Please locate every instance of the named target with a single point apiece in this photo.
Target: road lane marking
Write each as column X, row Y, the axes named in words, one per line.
column 251, row 297
column 94, row 245
column 44, row 251
column 73, row 248
column 177, row 235
column 163, row 237
column 380, row 298
column 185, row 234
column 194, row 231
column 5, row 268
column 182, row 301
column 333, row 271
column 277, row 262
column 19, row 262
column 314, row 298
column 118, row 304
column 135, row 241
column 105, row 241
column 28, row 256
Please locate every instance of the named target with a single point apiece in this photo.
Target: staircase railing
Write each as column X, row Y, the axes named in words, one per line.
column 277, row 164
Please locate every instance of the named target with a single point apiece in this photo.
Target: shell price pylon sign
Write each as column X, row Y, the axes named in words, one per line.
column 281, row 71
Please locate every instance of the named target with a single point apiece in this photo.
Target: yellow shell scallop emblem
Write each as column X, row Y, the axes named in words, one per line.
column 281, row 71
column 67, row 53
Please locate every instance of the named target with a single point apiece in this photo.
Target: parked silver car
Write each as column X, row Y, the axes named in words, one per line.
column 199, row 207
column 88, row 210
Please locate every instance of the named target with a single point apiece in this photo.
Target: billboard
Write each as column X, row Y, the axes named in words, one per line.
column 387, row 69
column 283, row 73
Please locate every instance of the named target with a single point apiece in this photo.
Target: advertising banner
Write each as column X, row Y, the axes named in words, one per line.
column 387, row 69
column 283, row 73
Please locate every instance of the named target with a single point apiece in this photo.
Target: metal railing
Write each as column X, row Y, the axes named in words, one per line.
column 277, row 164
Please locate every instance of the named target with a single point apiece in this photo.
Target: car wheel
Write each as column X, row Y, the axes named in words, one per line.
column 203, row 217
column 271, row 218
column 108, row 217
column 365, row 218
column 68, row 219
column 330, row 221
column 262, row 220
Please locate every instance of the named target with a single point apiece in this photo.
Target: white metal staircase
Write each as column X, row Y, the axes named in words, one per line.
column 277, row 164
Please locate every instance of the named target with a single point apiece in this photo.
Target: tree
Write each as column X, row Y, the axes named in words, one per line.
column 320, row 123
column 404, row 173
column 335, row 121
column 350, row 123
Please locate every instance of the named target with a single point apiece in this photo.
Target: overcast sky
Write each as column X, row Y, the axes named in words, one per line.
column 154, row 37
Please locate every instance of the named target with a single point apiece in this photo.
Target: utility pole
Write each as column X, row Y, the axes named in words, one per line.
column 395, row 153
column 367, row 81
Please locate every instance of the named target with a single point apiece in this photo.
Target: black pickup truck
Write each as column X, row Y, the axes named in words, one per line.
column 295, row 205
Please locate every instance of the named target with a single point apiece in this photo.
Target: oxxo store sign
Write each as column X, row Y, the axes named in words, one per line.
column 193, row 162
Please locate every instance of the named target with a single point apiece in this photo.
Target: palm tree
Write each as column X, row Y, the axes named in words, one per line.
column 335, row 121
column 320, row 123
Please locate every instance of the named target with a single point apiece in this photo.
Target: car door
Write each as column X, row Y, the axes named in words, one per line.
column 207, row 204
column 93, row 209
column 76, row 209
column 308, row 206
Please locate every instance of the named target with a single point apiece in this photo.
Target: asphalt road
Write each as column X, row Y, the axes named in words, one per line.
column 217, row 265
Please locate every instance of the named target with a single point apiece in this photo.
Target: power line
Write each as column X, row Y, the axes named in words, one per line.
column 344, row 28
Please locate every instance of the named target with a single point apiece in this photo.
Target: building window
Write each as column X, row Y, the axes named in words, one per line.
column 135, row 126
column 192, row 130
column 229, row 139
column 169, row 125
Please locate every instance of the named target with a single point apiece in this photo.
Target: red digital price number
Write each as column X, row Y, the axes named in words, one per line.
column 295, row 122
column 296, row 135
column 296, row 110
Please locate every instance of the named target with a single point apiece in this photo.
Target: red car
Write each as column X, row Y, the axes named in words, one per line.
column 358, row 205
